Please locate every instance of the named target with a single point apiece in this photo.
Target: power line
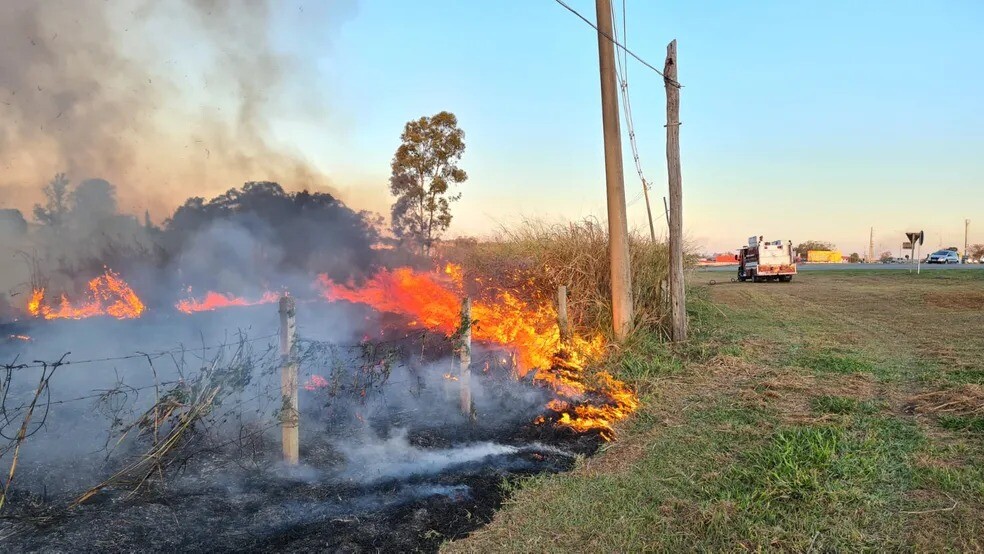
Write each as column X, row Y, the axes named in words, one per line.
column 622, row 73
column 616, row 43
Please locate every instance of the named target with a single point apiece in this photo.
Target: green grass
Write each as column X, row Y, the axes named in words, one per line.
column 973, row 424
column 965, row 376
column 723, row 457
column 831, row 362
column 842, row 405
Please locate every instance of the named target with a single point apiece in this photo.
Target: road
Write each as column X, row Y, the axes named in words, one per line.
column 842, row 267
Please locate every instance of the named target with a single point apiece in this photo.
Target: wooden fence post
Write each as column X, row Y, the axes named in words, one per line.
column 562, row 321
column 289, row 415
column 464, row 353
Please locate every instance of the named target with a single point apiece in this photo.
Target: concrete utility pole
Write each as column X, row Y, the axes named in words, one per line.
column 678, row 300
column 966, row 234
column 618, row 226
column 871, row 246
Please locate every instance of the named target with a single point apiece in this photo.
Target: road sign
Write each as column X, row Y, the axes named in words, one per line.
column 916, row 237
column 906, row 246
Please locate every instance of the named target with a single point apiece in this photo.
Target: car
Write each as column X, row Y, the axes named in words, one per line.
column 943, row 257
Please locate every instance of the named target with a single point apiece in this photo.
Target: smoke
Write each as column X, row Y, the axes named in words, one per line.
column 376, row 459
column 396, row 458
column 164, row 99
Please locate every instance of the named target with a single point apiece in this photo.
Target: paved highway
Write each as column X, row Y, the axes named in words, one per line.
column 841, row 267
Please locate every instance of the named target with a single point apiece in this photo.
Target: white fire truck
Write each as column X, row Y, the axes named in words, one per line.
column 766, row 261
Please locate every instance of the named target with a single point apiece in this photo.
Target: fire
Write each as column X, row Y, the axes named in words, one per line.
column 315, row 382
column 433, row 300
column 107, row 294
column 215, row 300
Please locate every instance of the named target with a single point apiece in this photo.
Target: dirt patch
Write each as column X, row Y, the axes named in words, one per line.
column 964, row 300
column 963, row 401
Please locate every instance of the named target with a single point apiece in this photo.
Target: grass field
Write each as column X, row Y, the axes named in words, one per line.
column 842, row 411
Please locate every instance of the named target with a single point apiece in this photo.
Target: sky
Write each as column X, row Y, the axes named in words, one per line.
column 801, row 120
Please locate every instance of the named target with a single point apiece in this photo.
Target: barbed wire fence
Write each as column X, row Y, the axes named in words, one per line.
column 174, row 413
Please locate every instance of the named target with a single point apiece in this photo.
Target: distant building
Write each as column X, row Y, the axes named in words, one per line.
column 824, row 256
column 718, row 259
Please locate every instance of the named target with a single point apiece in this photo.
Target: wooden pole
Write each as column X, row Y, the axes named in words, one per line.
column 464, row 352
column 289, row 415
column 649, row 212
column 618, row 226
column 678, row 301
column 562, row 322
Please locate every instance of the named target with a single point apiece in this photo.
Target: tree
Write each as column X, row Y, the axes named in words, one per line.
column 854, row 258
column 977, row 251
column 55, row 209
column 263, row 232
column 93, row 200
column 805, row 247
column 423, row 170
column 885, row 256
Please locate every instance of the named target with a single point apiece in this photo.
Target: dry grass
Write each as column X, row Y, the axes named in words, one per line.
column 967, row 300
column 537, row 258
column 967, row 400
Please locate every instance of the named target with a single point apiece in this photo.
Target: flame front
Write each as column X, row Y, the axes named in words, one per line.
column 215, row 300
column 107, row 294
column 433, row 300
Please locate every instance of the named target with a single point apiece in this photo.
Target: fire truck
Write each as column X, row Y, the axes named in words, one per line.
column 766, row 261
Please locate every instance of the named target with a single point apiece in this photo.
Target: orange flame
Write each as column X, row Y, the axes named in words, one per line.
column 315, row 382
column 107, row 294
column 215, row 300
column 433, row 300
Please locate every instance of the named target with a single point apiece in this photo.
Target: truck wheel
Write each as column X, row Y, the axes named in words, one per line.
column 785, row 278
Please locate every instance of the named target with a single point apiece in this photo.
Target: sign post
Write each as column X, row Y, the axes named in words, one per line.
column 916, row 239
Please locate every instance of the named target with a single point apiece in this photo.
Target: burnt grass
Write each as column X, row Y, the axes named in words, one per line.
column 215, row 507
column 244, row 500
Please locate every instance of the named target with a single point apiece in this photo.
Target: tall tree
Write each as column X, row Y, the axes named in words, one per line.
column 424, row 168
column 56, row 205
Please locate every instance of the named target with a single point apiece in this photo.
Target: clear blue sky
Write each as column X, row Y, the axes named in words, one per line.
column 802, row 120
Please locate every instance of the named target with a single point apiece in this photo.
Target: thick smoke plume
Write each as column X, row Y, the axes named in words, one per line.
column 166, row 100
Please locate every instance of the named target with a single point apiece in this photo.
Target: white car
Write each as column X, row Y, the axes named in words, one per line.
column 943, row 257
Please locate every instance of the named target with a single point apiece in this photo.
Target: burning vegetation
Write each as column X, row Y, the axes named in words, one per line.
column 383, row 437
column 410, row 406
column 217, row 300
column 107, row 294
column 433, row 299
